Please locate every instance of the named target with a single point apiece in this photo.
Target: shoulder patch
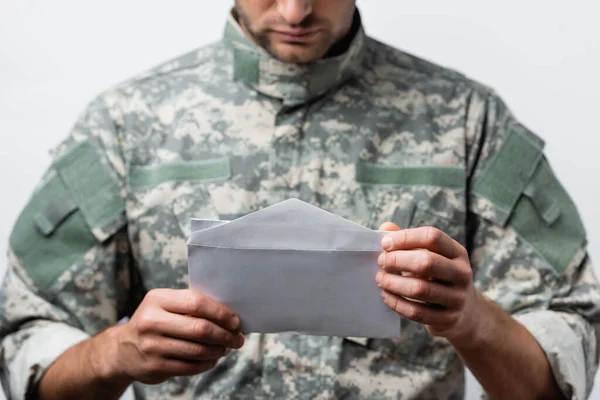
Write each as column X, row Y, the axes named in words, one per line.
column 78, row 206
column 51, row 234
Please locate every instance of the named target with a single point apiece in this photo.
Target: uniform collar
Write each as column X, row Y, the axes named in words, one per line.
column 294, row 84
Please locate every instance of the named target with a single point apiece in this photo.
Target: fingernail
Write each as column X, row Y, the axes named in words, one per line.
column 386, row 243
column 383, row 295
column 381, row 259
column 227, row 351
column 378, row 278
column 234, row 322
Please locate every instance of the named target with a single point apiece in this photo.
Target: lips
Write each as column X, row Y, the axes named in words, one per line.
column 296, row 36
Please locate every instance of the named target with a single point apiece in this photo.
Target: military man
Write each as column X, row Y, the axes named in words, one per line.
column 490, row 268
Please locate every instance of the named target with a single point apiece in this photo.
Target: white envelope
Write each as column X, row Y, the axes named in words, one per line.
column 293, row 267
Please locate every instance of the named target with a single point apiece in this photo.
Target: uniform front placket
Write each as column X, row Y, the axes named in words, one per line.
column 286, row 152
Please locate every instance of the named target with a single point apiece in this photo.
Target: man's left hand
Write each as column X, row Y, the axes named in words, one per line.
column 426, row 277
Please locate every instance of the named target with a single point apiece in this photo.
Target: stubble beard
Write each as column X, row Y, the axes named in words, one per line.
column 303, row 54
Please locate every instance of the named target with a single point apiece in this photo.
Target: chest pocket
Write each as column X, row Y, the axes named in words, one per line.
column 164, row 198
column 182, row 187
column 414, row 196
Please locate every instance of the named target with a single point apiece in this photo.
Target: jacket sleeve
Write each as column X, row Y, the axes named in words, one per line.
column 69, row 262
column 528, row 245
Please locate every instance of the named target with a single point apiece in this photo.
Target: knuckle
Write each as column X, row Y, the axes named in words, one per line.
column 432, row 235
column 155, row 296
column 414, row 313
column 419, row 288
column 152, row 294
column 229, row 339
column 193, row 301
column 465, row 275
column 146, row 322
column 200, row 328
column 427, row 262
column 147, row 345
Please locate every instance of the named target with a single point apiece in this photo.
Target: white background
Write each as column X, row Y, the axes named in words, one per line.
column 543, row 57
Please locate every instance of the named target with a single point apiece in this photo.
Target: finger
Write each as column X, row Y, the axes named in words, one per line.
column 421, row 290
column 189, row 328
column 425, row 263
column 428, row 238
column 418, row 312
column 389, row 226
column 189, row 302
column 182, row 349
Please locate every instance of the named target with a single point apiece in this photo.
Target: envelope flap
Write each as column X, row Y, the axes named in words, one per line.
column 201, row 224
column 289, row 225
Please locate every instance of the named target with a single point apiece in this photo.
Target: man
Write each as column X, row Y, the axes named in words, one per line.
column 490, row 268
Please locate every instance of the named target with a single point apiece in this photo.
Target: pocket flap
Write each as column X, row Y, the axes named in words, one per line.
column 426, row 175
column 53, row 214
column 206, row 170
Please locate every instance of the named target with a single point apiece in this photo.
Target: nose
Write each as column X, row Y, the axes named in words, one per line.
column 294, row 11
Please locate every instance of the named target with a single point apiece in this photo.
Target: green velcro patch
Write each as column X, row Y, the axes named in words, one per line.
column 206, row 170
column 549, row 220
column 47, row 249
column 93, row 188
column 509, row 172
column 381, row 174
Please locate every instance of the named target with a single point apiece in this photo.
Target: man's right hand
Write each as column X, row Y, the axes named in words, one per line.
column 172, row 333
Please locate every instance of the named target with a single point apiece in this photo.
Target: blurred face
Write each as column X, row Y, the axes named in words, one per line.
column 296, row 31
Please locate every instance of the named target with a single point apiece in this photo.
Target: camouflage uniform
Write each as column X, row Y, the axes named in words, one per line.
column 373, row 135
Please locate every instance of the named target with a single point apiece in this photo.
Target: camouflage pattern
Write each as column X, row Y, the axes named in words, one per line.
column 297, row 131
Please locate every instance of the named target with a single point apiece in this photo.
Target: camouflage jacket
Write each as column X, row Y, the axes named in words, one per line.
column 373, row 135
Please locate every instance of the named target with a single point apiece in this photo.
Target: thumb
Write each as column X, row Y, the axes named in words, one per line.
column 389, row 226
